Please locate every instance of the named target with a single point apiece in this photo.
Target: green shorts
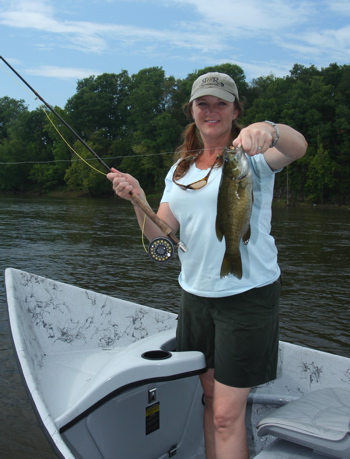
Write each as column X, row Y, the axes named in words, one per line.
column 237, row 334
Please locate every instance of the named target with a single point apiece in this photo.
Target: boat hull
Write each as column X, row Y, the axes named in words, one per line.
column 106, row 380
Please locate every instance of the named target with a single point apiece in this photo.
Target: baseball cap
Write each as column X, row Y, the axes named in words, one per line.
column 215, row 84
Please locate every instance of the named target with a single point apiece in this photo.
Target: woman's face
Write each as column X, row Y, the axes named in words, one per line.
column 213, row 118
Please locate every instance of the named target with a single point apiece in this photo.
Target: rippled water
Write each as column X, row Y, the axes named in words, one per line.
column 315, row 261
column 96, row 244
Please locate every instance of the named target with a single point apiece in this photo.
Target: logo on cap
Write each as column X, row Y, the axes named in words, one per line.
column 212, row 81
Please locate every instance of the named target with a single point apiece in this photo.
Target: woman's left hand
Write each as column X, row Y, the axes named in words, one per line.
column 255, row 138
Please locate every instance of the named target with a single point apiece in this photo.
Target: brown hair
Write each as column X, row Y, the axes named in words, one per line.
column 192, row 141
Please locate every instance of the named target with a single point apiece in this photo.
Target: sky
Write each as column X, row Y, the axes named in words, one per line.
column 54, row 43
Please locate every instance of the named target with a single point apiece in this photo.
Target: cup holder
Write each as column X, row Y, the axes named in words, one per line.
column 156, row 355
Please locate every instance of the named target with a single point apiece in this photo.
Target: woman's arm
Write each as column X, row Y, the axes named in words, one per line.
column 124, row 185
column 258, row 137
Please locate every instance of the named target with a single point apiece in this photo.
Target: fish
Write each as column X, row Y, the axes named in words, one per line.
column 234, row 208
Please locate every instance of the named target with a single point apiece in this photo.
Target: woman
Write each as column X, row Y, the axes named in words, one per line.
column 234, row 322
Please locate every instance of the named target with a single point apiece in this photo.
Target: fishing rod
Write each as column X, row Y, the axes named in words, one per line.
column 160, row 249
column 57, row 115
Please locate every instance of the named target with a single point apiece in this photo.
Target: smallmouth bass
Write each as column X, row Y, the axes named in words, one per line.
column 234, row 208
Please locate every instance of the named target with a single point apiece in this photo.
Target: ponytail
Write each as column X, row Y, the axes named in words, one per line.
column 192, row 142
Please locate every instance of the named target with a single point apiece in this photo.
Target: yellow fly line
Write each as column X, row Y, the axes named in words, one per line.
column 53, row 124
column 94, row 168
column 68, row 145
column 79, row 156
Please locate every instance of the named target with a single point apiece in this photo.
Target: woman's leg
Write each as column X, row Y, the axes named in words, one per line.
column 229, row 422
column 207, row 380
column 224, row 419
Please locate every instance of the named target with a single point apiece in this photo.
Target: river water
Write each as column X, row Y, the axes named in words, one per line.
column 96, row 244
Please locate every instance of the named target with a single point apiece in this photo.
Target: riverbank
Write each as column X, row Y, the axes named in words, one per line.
column 154, row 198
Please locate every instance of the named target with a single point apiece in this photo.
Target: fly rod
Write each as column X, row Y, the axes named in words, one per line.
column 160, row 249
column 57, row 115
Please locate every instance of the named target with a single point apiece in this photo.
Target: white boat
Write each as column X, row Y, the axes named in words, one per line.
column 106, row 382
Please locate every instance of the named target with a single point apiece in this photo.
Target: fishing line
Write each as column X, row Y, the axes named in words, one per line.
column 74, row 133
column 57, row 115
column 179, row 152
column 47, row 116
column 86, row 159
column 160, row 249
column 143, row 234
column 69, row 146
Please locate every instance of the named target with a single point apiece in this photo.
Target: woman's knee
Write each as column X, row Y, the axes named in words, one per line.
column 229, row 407
column 227, row 419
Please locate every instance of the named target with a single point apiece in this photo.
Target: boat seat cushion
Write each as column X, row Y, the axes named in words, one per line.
column 319, row 420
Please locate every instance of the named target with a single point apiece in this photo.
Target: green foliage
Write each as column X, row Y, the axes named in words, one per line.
column 100, row 105
column 24, row 144
column 135, row 122
column 45, row 175
column 13, row 173
column 320, row 175
column 10, row 109
column 316, row 103
column 81, row 177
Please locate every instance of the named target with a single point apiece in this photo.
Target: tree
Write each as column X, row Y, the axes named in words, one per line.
column 10, row 109
column 151, row 127
column 100, row 105
column 26, row 145
column 135, row 123
column 320, row 174
column 81, row 177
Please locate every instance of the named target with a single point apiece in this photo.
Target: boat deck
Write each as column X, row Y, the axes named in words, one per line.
column 69, row 378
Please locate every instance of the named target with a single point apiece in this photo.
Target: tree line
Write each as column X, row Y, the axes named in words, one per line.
column 135, row 123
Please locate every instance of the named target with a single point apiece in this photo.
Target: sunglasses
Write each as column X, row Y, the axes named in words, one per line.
column 180, row 172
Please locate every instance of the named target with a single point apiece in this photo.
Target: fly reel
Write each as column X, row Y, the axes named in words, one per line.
column 161, row 249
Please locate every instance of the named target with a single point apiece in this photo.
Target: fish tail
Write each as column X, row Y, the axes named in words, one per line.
column 232, row 265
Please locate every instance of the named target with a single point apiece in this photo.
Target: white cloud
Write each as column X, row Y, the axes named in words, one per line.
column 260, row 68
column 334, row 40
column 251, row 15
column 35, row 14
column 94, row 37
column 63, row 73
column 339, row 6
column 40, row 16
column 331, row 42
column 214, row 29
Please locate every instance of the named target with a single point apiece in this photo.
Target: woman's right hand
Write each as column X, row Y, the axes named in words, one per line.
column 124, row 184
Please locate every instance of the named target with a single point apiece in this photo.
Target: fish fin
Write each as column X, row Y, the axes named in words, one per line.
column 232, row 265
column 246, row 236
column 236, row 267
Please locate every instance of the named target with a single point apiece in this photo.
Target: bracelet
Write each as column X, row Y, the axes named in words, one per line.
column 276, row 139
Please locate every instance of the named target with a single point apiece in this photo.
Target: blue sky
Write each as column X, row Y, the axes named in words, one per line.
column 55, row 43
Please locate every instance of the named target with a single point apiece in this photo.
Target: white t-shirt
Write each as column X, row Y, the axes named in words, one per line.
column 196, row 211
